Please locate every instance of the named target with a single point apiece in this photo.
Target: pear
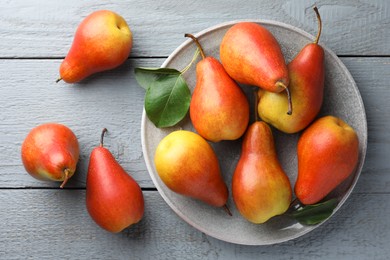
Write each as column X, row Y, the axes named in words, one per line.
column 50, row 152
column 307, row 76
column 188, row 165
column 219, row 109
column 102, row 41
column 260, row 187
column 251, row 55
column 328, row 152
column 114, row 199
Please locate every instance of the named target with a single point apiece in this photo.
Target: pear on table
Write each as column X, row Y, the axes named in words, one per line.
column 114, row 199
column 251, row 55
column 102, row 41
column 188, row 165
column 50, row 152
column 328, row 152
column 260, row 187
column 219, row 109
column 307, row 76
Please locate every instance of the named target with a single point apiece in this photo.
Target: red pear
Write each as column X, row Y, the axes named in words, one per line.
column 307, row 76
column 50, row 152
column 114, row 199
column 328, row 152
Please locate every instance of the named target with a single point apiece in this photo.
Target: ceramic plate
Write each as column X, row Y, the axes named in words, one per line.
column 341, row 98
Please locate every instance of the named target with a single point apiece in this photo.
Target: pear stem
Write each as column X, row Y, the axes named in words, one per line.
column 66, row 178
column 58, row 80
column 225, row 207
column 197, row 43
column 102, row 136
column 319, row 24
column 280, row 84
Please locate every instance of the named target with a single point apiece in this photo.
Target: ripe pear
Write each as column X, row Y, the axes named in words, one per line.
column 328, row 152
column 260, row 187
column 50, row 152
column 114, row 199
column 188, row 165
column 102, row 41
column 251, row 55
column 219, row 109
column 307, row 76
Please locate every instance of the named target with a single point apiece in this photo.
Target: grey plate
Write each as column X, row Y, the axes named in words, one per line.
column 341, row 98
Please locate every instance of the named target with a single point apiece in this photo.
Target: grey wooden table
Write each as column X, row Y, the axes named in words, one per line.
column 38, row 220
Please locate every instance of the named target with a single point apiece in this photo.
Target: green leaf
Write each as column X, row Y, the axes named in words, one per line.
column 314, row 214
column 146, row 76
column 167, row 100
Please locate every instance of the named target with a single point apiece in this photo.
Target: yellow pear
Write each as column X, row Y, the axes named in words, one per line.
column 188, row 165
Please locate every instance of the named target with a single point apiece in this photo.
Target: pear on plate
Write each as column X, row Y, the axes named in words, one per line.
column 251, row 55
column 328, row 152
column 307, row 77
column 219, row 109
column 188, row 165
column 260, row 187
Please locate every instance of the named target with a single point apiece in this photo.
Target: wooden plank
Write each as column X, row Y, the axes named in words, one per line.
column 114, row 100
column 54, row 224
column 45, row 29
column 373, row 86
column 30, row 96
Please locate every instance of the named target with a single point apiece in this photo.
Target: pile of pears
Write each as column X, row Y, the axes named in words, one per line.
column 289, row 99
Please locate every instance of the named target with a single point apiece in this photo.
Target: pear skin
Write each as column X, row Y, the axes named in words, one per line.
column 328, row 152
column 307, row 76
column 114, row 199
column 50, row 152
column 102, row 41
column 188, row 165
column 260, row 187
column 251, row 55
column 219, row 109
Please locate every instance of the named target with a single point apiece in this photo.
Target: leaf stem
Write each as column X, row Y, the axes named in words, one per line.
column 192, row 61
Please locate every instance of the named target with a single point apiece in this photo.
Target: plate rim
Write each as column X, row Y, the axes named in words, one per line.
column 358, row 168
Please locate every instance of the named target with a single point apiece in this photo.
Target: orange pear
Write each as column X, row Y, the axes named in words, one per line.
column 219, row 109
column 103, row 41
column 260, row 187
column 251, row 55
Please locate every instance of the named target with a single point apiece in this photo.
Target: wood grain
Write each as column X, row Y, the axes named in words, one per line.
column 54, row 224
column 114, row 100
column 41, row 221
column 45, row 28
